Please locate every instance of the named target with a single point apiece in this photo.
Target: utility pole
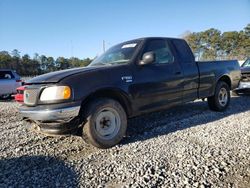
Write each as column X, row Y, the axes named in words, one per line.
column 71, row 48
column 103, row 46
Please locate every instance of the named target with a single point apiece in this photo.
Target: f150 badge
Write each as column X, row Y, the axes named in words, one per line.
column 127, row 79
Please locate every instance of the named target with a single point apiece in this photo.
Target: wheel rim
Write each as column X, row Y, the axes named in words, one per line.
column 107, row 123
column 223, row 97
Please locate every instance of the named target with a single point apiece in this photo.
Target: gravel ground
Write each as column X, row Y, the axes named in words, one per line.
column 188, row 146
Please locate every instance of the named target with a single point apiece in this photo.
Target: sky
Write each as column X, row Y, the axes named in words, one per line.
column 78, row 27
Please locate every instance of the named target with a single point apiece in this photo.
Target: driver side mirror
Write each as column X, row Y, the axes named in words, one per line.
column 147, row 58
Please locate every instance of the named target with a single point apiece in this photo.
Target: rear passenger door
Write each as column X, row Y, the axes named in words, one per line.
column 190, row 70
column 157, row 85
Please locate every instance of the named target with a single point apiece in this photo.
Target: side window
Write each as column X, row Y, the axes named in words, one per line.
column 183, row 50
column 6, row 75
column 161, row 49
column 247, row 63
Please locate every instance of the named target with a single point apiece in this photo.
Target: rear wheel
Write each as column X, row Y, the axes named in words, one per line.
column 221, row 98
column 106, row 123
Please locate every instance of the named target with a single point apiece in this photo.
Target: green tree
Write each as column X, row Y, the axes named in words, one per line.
column 5, row 59
column 51, row 64
column 212, row 44
column 15, row 53
column 210, row 40
column 62, row 63
column 43, row 63
column 247, row 30
column 36, row 57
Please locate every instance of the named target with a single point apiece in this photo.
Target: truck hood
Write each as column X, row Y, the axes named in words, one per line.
column 245, row 70
column 56, row 76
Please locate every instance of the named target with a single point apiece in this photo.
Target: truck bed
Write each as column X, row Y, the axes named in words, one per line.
column 211, row 71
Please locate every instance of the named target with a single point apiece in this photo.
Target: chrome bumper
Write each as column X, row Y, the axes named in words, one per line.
column 244, row 85
column 51, row 115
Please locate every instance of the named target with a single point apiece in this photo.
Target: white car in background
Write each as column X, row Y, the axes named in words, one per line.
column 9, row 81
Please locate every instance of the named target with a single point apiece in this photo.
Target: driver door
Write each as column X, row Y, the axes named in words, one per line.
column 157, row 85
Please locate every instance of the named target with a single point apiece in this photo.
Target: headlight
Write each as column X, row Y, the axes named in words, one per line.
column 55, row 93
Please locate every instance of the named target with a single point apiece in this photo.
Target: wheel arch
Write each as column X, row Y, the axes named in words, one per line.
column 225, row 78
column 112, row 93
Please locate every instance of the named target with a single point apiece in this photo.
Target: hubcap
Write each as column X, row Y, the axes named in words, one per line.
column 223, row 97
column 107, row 123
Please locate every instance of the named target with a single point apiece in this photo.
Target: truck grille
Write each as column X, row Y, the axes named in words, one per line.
column 30, row 96
column 245, row 77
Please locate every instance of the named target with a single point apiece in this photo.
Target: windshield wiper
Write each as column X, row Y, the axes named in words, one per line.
column 119, row 61
column 111, row 63
column 101, row 64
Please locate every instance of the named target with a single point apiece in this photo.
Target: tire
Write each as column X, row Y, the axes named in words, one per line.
column 106, row 123
column 221, row 99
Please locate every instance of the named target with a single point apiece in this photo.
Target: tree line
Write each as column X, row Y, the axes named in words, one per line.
column 39, row 64
column 213, row 44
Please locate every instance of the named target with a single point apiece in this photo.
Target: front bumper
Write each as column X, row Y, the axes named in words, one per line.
column 19, row 98
column 62, row 114
column 244, row 87
column 57, row 119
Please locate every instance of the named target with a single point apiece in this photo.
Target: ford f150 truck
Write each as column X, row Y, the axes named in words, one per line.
column 131, row 78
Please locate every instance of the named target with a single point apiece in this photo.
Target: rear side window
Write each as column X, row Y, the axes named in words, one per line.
column 183, row 50
column 161, row 49
column 6, row 75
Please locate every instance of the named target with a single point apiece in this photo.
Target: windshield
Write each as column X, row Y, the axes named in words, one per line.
column 247, row 63
column 119, row 54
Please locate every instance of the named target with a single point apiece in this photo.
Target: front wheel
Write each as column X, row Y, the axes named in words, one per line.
column 106, row 123
column 221, row 99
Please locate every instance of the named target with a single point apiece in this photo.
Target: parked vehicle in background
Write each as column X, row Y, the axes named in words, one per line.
column 241, row 62
column 131, row 78
column 9, row 82
column 244, row 86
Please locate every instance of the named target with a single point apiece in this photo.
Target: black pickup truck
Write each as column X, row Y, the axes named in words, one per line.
column 131, row 78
